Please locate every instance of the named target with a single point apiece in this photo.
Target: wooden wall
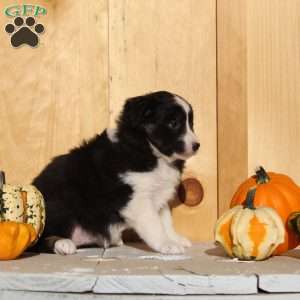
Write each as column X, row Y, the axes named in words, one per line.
column 53, row 96
column 167, row 44
column 237, row 62
column 92, row 56
column 232, row 99
column 258, row 90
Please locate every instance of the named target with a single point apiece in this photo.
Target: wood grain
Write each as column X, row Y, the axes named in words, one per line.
column 53, row 96
column 171, row 45
column 273, row 89
column 89, row 60
column 232, row 99
column 258, row 90
column 96, row 53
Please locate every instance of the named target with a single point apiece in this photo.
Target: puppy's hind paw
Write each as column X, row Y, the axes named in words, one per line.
column 64, row 247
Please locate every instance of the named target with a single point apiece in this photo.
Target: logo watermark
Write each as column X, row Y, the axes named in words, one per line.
column 24, row 29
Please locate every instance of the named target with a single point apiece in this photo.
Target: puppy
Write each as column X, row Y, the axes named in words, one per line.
column 122, row 178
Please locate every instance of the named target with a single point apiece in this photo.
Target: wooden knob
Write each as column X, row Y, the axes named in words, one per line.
column 190, row 192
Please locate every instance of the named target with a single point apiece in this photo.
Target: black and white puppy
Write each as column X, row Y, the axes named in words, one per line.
column 122, row 178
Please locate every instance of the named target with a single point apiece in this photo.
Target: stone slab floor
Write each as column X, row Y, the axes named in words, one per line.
column 135, row 272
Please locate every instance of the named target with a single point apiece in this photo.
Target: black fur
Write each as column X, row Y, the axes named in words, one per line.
column 83, row 187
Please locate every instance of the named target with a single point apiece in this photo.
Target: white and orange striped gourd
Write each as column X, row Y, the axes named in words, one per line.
column 22, row 204
column 250, row 233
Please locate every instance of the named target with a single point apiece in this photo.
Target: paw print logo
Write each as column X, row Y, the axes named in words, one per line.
column 24, row 32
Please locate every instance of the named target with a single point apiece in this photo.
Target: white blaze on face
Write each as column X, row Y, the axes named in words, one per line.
column 189, row 138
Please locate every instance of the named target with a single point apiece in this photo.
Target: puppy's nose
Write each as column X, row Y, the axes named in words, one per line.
column 195, row 146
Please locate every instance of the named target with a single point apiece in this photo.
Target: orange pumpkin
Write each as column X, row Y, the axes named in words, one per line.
column 15, row 238
column 277, row 191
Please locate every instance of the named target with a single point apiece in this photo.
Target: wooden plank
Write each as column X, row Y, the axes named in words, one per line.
column 232, row 99
column 51, row 273
column 171, row 45
column 130, row 269
column 16, row 295
column 281, row 274
column 134, row 268
column 54, row 95
column 174, row 284
column 281, row 283
column 273, row 79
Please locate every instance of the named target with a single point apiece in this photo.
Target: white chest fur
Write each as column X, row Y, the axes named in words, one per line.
column 157, row 186
column 151, row 191
column 147, row 211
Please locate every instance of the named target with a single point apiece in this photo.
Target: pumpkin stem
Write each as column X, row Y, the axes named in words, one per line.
column 261, row 175
column 294, row 222
column 2, row 182
column 249, row 202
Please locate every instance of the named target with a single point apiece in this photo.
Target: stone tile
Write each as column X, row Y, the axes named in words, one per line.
column 49, row 272
column 203, row 269
column 17, row 295
column 281, row 274
column 139, row 270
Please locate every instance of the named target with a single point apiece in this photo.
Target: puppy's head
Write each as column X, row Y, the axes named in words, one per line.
column 165, row 120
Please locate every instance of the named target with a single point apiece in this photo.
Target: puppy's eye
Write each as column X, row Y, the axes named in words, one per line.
column 173, row 124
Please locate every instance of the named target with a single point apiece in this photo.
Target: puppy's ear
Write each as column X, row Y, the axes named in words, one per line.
column 137, row 112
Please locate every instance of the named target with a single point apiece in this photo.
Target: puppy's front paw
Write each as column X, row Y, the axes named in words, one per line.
column 64, row 247
column 183, row 241
column 171, row 247
column 119, row 243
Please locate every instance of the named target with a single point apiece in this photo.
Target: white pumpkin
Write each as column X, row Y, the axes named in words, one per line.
column 250, row 233
column 22, row 204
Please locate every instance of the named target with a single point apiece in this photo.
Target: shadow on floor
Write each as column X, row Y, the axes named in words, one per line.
column 28, row 254
column 217, row 251
column 295, row 253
